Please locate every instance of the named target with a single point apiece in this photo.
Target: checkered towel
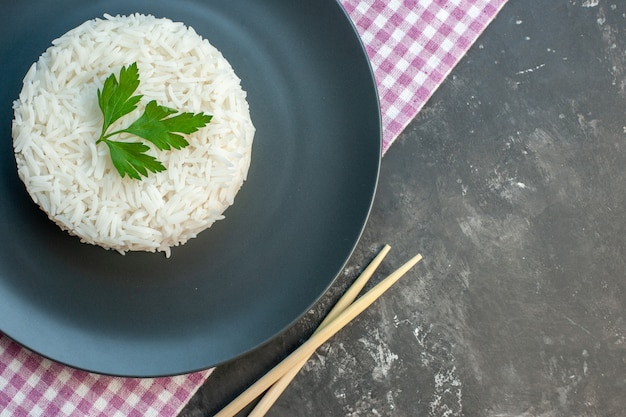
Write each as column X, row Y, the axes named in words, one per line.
column 413, row 45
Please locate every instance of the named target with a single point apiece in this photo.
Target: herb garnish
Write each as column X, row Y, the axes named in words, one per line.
column 130, row 158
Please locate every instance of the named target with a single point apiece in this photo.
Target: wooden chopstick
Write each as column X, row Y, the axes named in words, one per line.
column 349, row 296
column 311, row 345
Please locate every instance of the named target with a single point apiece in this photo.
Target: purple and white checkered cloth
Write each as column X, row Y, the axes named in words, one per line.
column 413, row 45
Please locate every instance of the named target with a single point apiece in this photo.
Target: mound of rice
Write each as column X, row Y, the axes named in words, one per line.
column 57, row 122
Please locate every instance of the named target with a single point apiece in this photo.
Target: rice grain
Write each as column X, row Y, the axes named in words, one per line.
column 57, row 122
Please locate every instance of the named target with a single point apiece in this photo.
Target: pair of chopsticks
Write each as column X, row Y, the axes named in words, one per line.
column 346, row 309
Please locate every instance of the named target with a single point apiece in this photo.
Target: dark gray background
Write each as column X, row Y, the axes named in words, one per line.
column 511, row 182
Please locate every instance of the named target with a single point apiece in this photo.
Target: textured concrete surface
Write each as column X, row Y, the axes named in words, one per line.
column 512, row 183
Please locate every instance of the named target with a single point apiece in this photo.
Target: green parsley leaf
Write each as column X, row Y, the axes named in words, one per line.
column 163, row 132
column 116, row 98
column 131, row 158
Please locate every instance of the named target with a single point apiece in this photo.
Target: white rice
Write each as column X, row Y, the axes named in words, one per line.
column 57, row 122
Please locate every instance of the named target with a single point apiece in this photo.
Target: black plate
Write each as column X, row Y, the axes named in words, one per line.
column 294, row 224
